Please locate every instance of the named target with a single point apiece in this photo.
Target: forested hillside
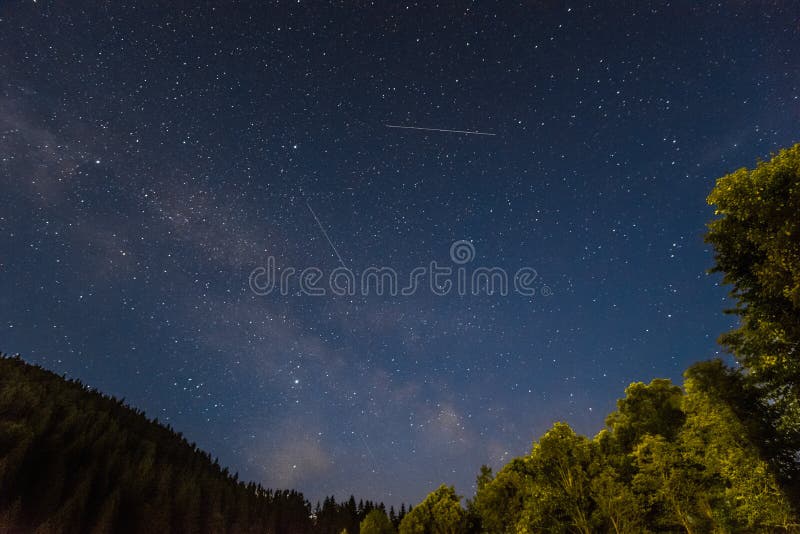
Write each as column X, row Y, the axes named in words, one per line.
column 73, row 460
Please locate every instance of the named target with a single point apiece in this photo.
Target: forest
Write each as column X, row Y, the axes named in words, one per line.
column 717, row 453
column 74, row 460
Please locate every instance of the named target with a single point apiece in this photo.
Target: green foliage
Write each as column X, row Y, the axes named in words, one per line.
column 499, row 500
column 749, row 494
column 617, row 508
column 557, row 492
column 757, row 245
column 377, row 522
column 756, row 240
column 439, row 513
column 647, row 409
column 674, row 485
column 669, row 461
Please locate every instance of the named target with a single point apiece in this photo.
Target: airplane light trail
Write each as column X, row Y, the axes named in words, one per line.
column 438, row 130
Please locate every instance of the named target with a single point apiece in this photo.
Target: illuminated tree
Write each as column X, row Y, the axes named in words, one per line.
column 376, row 522
column 439, row 513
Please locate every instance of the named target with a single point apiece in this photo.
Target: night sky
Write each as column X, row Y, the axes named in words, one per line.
column 152, row 157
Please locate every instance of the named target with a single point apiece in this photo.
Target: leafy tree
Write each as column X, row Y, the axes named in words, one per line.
column 674, row 483
column 618, row 508
column 747, row 493
column 546, row 490
column 499, row 501
column 377, row 522
column 484, row 477
column 558, row 491
column 757, row 245
column 439, row 513
column 756, row 239
column 653, row 408
column 473, row 518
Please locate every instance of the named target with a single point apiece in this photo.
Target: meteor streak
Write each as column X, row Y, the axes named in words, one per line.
column 439, row 130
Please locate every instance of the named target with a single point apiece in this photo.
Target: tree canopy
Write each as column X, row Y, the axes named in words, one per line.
column 439, row 513
column 671, row 459
column 377, row 522
column 756, row 239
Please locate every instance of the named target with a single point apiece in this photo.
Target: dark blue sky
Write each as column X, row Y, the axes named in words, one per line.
column 151, row 158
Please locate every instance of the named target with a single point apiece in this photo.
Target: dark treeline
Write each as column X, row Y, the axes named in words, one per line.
column 74, row 460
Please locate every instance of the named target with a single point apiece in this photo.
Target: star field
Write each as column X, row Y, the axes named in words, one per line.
column 152, row 157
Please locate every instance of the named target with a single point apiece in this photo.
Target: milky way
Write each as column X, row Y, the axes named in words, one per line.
column 152, row 158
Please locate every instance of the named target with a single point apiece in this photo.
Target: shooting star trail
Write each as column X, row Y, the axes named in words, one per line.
column 325, row 234
column 374, row 460
column 468, row 132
